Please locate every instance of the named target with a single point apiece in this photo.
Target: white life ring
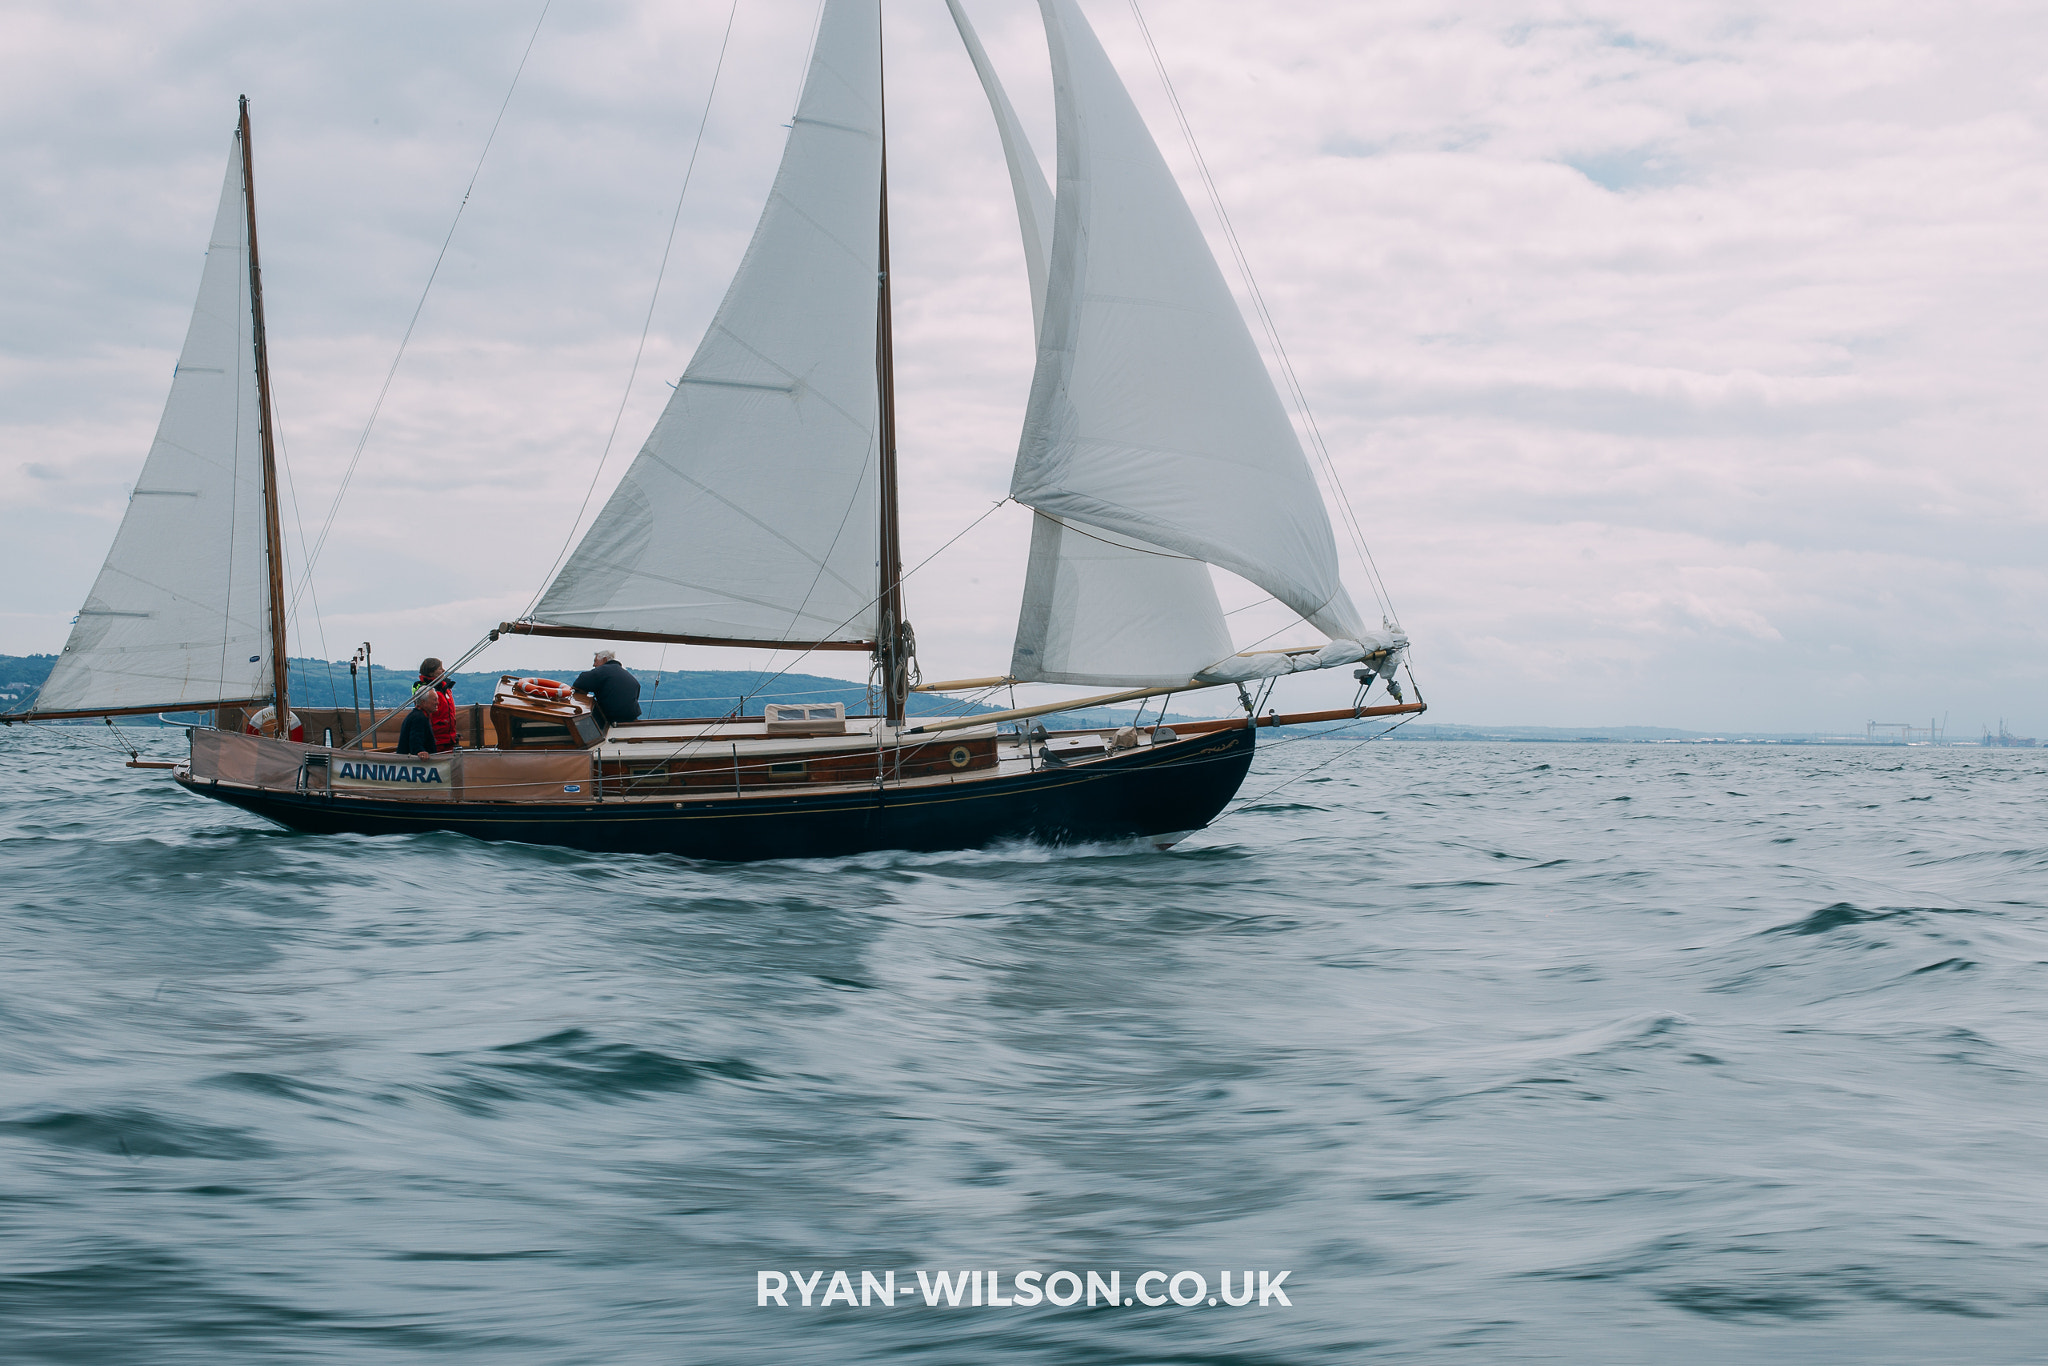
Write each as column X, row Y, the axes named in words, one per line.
column 265, row 723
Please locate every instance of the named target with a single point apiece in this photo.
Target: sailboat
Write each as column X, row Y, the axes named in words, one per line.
column 762, row 511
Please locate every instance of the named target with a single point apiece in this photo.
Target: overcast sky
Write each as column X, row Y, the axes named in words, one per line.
column 1682, row 360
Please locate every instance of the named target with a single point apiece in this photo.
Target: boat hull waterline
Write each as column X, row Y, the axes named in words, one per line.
column 1156, row 793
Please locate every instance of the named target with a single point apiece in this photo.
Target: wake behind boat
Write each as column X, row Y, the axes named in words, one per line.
column 762, row 512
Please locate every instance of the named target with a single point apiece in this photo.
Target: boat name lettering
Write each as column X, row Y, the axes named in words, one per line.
column 391, row 773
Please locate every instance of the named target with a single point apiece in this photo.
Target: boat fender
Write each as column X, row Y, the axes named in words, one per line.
column 547, row 689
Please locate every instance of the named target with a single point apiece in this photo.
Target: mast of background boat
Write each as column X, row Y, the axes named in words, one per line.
column 893, row 641
column 273, row 538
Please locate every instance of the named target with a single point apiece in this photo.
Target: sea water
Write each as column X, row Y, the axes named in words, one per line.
column 1575, row 1053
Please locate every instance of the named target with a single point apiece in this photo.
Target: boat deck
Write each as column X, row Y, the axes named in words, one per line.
column 664, row 763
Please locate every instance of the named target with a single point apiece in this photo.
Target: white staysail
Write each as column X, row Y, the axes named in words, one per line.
column 751, row 514
column 1152, row 416
column 179, row 617
column 1098, row 608
column 1102, row 609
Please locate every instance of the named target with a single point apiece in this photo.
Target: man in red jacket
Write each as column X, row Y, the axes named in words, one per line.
column 441, row 707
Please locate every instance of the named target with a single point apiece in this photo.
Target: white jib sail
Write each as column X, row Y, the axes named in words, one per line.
column 179, row 616
column 1152, row 415
column 750, row 513
column 1098, row 608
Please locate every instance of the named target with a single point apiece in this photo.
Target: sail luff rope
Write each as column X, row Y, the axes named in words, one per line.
column 646, row 325
column 362, row 442
column 1258, row 299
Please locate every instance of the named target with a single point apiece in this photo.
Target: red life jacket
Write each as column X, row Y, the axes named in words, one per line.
column 441, row 716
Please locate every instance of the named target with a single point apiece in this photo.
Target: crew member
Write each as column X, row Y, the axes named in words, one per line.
column 439, row 690
column 614, row 692
column 416, row 732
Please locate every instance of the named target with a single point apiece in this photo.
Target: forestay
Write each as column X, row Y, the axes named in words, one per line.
column 1098, row 608
column 750, row 513
column 1152, row 415
column 179, row 616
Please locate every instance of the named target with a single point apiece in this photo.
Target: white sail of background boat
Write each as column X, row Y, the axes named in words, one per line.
column 762, row 511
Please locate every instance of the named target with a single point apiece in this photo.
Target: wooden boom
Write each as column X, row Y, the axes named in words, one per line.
column 1299, row 718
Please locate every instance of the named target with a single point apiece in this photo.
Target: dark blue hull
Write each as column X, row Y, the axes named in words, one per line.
column 1144, row 793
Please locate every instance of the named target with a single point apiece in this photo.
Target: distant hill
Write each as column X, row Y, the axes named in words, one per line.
column 676, row 692
column 673, row 693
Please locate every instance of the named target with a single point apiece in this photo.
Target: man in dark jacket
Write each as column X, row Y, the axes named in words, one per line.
column 416, row 732
column 615, row 692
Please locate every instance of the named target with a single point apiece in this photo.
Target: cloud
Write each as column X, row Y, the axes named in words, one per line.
column 1681, row 359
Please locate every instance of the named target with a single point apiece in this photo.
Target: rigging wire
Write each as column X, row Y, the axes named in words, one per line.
column 647, row 324
column 1258, row 300
column 363, row 441
column 319, row 622
column 994, row 508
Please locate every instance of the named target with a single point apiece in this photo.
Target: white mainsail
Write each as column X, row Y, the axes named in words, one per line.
column 1152, row 416
column 179, row 617
column 1098, row 608
column 751, row 514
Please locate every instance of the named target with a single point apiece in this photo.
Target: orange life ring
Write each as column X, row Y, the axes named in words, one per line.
column 545, row 688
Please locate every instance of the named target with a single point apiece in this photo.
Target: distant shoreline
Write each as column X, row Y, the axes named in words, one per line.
column 697, row 692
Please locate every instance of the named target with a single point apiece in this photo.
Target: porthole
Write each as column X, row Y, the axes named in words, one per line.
column 961, row 756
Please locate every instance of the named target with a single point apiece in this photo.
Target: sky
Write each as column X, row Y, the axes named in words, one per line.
column 1679, row 360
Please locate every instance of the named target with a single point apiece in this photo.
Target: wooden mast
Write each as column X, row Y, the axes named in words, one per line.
column 893, row 645
column 273, row 536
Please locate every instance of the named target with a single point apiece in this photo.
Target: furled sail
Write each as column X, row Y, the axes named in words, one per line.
column 1098, row 608
column 1152, row 416
column 179, row 618
column 750, row 514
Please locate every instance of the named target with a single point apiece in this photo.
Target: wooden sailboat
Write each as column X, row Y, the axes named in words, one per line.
column 762, row 511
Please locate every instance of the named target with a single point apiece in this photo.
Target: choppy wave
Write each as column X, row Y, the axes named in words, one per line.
column 1595, row 1053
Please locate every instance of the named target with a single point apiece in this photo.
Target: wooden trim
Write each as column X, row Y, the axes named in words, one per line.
column 541, row 628
column 90, row 713
column 1299, row 718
